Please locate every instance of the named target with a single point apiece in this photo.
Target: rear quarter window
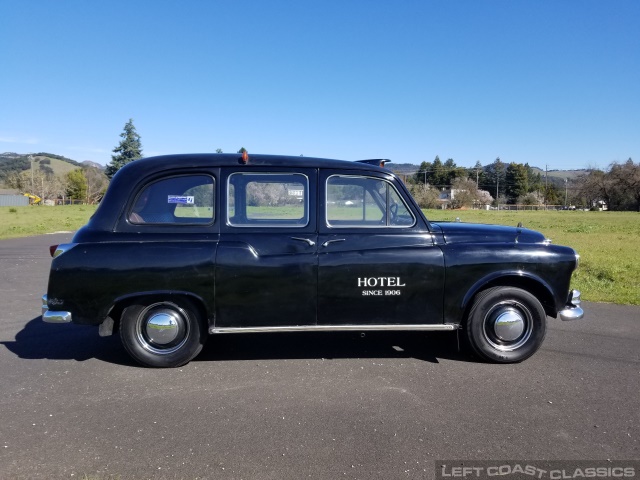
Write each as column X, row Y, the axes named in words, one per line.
column 182, row 199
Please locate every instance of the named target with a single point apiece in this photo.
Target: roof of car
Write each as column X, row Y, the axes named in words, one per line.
column 194, row 160
column 126, row 180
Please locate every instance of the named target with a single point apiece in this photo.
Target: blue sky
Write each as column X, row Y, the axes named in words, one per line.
column 552, row 83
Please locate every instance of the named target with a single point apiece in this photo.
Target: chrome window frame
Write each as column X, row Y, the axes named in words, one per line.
column 326, row 206
column 305, row 219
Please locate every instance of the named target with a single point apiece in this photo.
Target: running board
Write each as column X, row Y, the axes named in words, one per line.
column 442, row 327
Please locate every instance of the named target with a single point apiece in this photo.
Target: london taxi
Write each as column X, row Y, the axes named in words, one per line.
column 187, row 246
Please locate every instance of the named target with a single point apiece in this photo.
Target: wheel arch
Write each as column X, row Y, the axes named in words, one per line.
column 529, row 283
column 124, row 301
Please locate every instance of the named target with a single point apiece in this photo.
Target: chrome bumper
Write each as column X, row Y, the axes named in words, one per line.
column 572, row 310
column 53, row 316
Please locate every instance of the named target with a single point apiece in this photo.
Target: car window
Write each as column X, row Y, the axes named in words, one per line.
column 185, row 199
column 268, row 200
column 356, row 201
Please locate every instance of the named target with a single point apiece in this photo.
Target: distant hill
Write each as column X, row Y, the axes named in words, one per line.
column 570, row 174
column 403, row 168
column 410, row 168
column 58, row 165
column 89, row 163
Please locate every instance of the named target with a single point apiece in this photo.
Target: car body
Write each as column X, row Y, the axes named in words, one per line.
column 183, row 246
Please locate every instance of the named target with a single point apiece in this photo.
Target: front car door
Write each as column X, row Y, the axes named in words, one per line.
column 377, row 263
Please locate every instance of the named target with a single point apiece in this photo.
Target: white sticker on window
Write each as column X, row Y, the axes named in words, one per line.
column 185, row 200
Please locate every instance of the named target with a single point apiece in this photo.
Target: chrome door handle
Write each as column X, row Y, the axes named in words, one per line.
column 333, row 241
column 311, row 243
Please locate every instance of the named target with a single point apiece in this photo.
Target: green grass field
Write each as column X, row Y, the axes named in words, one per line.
column 36, row 220
column 608, row 242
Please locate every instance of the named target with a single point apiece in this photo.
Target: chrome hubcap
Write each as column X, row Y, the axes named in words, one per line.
column 162, row 328
column 509, row 325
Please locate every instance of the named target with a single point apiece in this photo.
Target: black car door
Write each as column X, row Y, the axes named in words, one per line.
column 377, row 263
column 266, row 264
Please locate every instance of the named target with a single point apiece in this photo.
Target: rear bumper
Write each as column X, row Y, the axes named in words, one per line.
column 51, row 316
column 572, row 311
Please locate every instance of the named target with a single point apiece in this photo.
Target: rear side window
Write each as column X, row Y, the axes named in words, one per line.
column 184, row 199
column 268, row 200
column 366, row 202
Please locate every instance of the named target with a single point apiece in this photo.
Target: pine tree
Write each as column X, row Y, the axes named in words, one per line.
column 127, row 151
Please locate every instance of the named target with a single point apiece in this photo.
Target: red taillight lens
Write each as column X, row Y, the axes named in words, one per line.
column 52, row 249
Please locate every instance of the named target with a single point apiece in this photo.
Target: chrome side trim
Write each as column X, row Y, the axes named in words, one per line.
column 573, row 311
column 45, row 306
column 446, row 327
column 56, row 317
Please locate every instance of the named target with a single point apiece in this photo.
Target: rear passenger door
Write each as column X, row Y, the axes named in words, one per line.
column 266, row 267
column 377, row 261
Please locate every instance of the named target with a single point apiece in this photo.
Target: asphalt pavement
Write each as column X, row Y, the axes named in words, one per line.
column 294, row 406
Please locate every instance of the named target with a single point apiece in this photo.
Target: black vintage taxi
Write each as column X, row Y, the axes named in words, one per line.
column 183, row 246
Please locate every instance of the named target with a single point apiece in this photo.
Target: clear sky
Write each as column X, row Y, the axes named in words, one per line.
column 549, row 82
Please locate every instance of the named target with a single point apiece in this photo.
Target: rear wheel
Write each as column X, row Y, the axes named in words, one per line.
column 506, row 324
column 163, row 334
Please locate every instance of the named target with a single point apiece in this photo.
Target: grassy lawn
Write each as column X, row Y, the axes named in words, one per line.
column 608, row 242
column 36, row 220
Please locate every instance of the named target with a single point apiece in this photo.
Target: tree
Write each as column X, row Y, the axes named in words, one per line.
column 127, row 151
column 76, row 184
column 218, row 150
column 454, row 172
column 517, row 182
column 478, row 174
column 35, row 182
column 627, row 177
column 552, row 194
column 424, row 195
column 243, row 150
column 496, row 176
column 465, row 193
column 423, row 173
column 597, row 185
column 439, row 177
column 97, row 183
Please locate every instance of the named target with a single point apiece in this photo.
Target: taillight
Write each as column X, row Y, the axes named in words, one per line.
column 57, row 250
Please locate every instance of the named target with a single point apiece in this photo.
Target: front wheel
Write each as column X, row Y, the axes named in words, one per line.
column 163, row 334
column 506, row 324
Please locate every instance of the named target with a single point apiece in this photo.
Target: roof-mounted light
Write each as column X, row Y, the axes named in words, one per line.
column 378, row 162
column 244, row 159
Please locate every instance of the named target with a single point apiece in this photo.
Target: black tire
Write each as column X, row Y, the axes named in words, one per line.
column 506, row 324
column 164, row 333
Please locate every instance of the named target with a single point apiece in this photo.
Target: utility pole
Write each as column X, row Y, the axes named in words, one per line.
column 497, row 189
column 477, row 173
column 566, row 190
column 546, row 185
column 31, row 163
